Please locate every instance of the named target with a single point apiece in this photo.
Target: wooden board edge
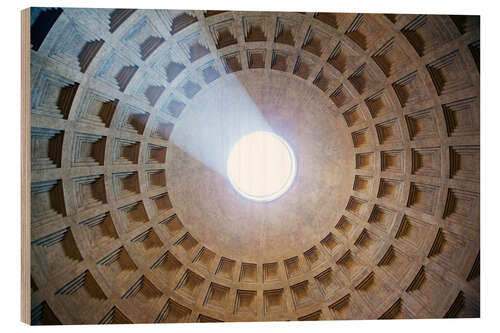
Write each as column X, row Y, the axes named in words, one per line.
column 25, row 168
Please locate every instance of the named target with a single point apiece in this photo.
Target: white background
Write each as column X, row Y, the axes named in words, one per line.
column 10, row 118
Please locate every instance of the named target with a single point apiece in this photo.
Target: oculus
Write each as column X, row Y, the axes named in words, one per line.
column 261, row 166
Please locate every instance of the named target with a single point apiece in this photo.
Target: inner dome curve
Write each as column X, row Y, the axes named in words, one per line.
column 201, row 143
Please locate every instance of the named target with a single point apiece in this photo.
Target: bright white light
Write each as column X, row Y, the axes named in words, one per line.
column 261, row 166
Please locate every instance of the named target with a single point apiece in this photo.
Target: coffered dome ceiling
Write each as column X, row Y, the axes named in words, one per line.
column 133, row 115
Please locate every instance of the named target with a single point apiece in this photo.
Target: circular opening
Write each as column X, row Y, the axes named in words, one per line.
column 261, row 166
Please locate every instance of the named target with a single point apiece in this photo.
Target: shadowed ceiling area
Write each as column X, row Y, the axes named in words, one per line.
column 133, row 116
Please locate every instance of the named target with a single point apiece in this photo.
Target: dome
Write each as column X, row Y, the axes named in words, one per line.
column 198, row 166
